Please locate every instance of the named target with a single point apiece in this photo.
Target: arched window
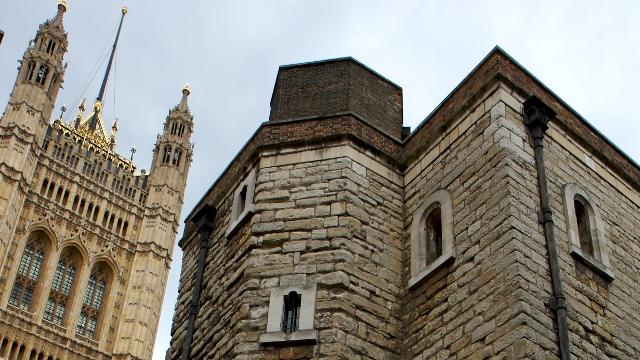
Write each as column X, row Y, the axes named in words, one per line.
column 166, row 157
column 41, row 76
column 173, row 127
column 31, row 67
column 105, row 217
column 93, row 301
column 125, row 227
column 28, row 276
column 242, row 200
column 65, row 198
column 62, row 286
column 52, row 186
column 431, row 236
column 177, row 154
column 291, row 313
column 585, row 230
column 180, row 130
column 43, row 189
column 59, row 194
column 74, row 205
column 51, row 46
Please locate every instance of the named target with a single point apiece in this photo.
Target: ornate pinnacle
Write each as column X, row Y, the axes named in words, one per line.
column 62, row 8
column 186, row 91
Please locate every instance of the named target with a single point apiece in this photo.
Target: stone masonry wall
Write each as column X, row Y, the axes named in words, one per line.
column 478, row 307
column 602, row 315
column 325, row 219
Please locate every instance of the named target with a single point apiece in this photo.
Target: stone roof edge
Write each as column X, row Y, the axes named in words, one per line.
column 499, row 74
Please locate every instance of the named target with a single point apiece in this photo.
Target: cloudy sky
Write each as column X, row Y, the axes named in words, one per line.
column 229, row 51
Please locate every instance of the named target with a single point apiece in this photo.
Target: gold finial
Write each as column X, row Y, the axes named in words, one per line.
column 62, row 5
column 186, row 89
column 124, row 10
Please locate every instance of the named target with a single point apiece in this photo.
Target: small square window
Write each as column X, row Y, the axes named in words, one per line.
column 291, row 316
column 243, row 205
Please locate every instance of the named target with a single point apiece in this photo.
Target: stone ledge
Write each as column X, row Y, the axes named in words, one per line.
column 241, row 220
column 300, row 337
column 440, row 262
column 592, row 263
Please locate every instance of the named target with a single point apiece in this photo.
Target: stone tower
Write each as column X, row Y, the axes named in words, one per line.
column 87, row 238
column 504, row 226
column 166, row 182
column 26, row 117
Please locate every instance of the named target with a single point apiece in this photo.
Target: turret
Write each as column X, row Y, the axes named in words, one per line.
column 172, row 157
column 40, row 77
column 166, row 183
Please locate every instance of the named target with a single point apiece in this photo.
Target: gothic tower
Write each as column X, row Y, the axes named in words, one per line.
column 25, row 120
column 165, row 186
column 86, row 238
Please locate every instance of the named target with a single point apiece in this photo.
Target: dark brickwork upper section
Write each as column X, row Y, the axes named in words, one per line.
column 337, row 87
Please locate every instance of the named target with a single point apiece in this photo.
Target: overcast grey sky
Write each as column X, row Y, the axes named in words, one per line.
column 229, row 51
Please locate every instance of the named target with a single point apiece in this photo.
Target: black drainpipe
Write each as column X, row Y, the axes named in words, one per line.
column 204, row 226
column 537, row 116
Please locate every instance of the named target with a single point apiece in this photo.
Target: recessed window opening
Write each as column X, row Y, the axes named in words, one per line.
column 65, row 198
column 59, row 194
column 52, row 185
column 433, row 235
column 30, row 70
column 61, row 288
column 105, row 218
column 291, row 312
column 166, row 157
column 24, row 288
column 41, row 76
column 74, row 206
column 43, row 189
column 584, row 227
column 242, row 200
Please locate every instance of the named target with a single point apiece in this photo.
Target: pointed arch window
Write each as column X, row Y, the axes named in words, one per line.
column 93, row 302
column 28, row 276
column 31, row 67
column 177, row 155
column 61, row 288
column 166, row 157
column 431, row 236
column 585, row 231
column 41, row 76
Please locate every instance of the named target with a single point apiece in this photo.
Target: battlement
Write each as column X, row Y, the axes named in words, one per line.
column 337, row 87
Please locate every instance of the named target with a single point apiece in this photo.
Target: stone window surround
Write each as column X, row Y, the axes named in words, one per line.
column 419, row 268
column 600, row 261
column 305, row 334
column 238, row 218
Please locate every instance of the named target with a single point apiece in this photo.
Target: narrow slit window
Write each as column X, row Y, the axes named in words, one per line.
column 30, row 70
column 74, row 206
column 433, row 235
column 584, row 228
column 242, row 200
column 52, row 186
column 291, row 312
column 43, row 189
